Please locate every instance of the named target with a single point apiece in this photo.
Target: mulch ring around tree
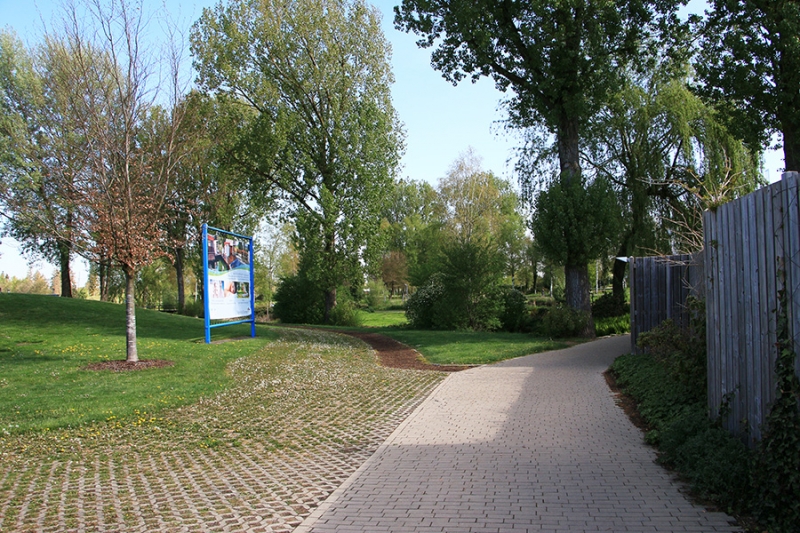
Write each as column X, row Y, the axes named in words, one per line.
column 127, row 366
column 394, row 354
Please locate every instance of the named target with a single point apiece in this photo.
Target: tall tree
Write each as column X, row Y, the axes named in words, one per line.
column 750, row 65
column 324, row 142
column 560, row 59
column 663, row 149
column 44, row 153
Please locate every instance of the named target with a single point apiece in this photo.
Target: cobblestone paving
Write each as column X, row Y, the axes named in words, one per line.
column 305, row 413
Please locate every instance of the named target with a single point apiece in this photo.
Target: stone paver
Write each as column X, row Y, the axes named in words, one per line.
column 532, row 444
column 303, row 415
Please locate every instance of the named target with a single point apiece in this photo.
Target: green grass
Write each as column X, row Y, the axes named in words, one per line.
column 382, row 319
column 456, row 347
column 471, row 347
column 46, row 343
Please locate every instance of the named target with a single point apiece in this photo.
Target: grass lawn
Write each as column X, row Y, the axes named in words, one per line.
column 472, row 347
column 382, row 319
column 46, row 342
column 458, row 347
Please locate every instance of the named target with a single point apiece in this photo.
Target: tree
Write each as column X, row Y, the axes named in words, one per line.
column 394, row 270
column 659, row 145
column 130, row 172
column 559, row 59
column 324, row 140
column 43, row 150
column 749, row 65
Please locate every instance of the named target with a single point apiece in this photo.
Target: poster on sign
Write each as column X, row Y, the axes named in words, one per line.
column 227, row 264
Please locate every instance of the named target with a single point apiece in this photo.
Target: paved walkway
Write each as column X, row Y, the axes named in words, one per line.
column 531, row 444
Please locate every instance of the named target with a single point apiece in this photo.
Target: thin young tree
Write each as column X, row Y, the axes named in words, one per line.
column 116, row 84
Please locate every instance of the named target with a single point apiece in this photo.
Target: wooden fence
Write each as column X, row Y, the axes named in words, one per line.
column 660, row 287
column 752, row 251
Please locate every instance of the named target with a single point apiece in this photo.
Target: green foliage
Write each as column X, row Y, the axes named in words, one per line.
column 323, row 141
column 717, row 465
column 423, row 306
column 561, row 322
column 297, row 301
column 610, row 305
column 377, row 295
column 465, row 294
column 345, row 312
column 575, row 222
column 616, row 325
column 515, row 315
column 681, row 351
column 776, row 476
column 750, row 68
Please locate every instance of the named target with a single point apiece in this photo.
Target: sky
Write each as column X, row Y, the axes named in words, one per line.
column 441, row 120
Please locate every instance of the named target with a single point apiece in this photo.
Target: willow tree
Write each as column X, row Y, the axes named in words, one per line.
column 324, row 140
column 669, row 157
column 559, row 59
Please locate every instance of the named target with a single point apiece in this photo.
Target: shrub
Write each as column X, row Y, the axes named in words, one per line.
column 612, row 326
column 682, row 353
column 515, row 315
column 298, row 301
column 421, row 307
column 610, row 305
column 345, row 313
column 561, row 321
column 194, row 308
column 376, row 295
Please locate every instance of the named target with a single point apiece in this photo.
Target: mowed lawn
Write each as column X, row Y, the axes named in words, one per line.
column 459, row 347
column 47, row 342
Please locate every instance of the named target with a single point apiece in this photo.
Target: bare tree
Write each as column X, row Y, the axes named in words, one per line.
column 132, row 141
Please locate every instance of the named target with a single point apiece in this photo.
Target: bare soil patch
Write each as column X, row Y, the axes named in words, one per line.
column 127, row 366
column 395, row 354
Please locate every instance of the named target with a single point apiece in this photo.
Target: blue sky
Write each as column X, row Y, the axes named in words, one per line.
column 441, row 120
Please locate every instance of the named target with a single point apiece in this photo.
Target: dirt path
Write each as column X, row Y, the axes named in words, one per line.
column 394, row 354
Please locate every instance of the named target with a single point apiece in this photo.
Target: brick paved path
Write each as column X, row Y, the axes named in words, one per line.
column 532, row 444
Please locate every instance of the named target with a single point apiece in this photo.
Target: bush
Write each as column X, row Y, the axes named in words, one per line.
column 612, row 326
column 561, row 321
column 610, row 305
column 298, row 301
column 515, row 315
column 345, row 313
column 194, row 308
column 376, row 295
column 421, row 307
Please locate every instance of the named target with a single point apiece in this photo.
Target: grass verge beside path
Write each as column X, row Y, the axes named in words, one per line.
column 472, row 347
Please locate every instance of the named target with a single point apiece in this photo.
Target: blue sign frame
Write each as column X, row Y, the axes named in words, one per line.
column 206, row 284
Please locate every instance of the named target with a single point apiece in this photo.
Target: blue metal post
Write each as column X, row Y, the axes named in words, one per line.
column 206, row 306
column 252, row 288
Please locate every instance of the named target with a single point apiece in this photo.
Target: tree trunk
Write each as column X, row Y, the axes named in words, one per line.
column 330, row 303
column 178, row 264
column 791, row 149
column 132, row 355
column 577, row 293
column 576, row 272
column 103, row 271
column 619, row 270
column 64, row 253
column 330, row 291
